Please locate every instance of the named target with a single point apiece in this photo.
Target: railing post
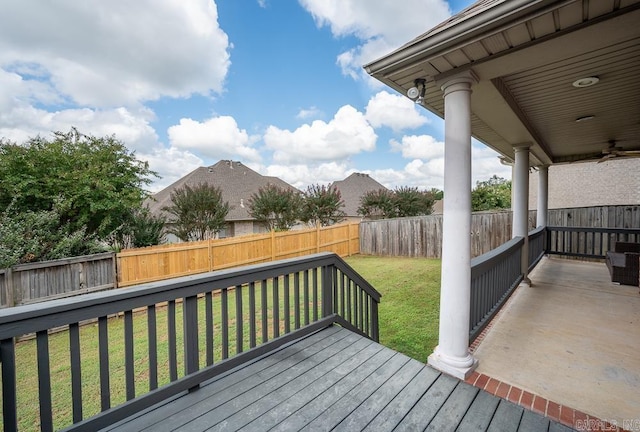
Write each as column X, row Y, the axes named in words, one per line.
column 190, row 315
column 327, row 291
column 9, row 387
column 375, row 332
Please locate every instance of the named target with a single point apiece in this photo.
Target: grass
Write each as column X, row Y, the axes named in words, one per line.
column 409, row 309
column 408, row 318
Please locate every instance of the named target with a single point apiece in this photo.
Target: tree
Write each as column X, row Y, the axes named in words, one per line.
column 31, row 236
column 322, row 206
column 140, row 229
column 377, row 205
column 491, row 194
column 198, row 213
column 96, row 182
column 276, row 208
column 409, row 201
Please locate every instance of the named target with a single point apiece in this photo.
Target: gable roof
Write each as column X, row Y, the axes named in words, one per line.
column 236, row 181
column 353, row 188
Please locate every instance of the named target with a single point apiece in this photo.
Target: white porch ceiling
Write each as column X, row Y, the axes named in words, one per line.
column 526, row 55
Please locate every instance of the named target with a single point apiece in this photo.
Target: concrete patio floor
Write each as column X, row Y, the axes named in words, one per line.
column 572, row 338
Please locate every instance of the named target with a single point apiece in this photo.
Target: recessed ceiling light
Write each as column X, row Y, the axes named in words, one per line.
column 584, row 118
column 586, row 82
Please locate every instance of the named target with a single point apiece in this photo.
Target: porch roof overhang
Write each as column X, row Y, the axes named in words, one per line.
column 526, row 55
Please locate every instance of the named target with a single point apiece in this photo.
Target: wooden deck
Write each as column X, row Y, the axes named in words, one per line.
column 336, row 380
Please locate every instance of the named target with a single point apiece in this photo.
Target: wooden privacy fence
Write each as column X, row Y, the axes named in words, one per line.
column 422, row 236
column 48, row 280
column 155, row 263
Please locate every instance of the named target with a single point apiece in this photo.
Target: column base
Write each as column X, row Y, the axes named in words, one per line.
column 459, row 368
column 527, row 281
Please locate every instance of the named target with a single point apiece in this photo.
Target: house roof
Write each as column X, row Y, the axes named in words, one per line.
column 236, row 181
column 353, row 188
column 526, row 55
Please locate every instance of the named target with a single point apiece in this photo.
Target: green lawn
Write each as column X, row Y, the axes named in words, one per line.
column 409, row 308
column 408, row 317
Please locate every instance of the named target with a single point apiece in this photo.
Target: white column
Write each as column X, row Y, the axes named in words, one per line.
column 543, row 196
column 452, row 353
column 521, row 203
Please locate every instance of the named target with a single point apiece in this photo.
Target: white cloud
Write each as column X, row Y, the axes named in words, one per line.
column 171, row 164
column 311, row 112
column 301, row 176
column 347, row 134
column 418, row 147
column 117, row 52
column 394, row 111
column 217, row 137
column 382, row 25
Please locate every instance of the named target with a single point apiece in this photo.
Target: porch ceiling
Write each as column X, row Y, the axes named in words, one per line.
column 526, row 55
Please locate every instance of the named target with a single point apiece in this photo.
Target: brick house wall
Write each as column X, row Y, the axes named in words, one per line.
column 589, row 184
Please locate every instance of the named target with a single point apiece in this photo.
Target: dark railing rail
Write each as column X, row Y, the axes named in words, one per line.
column 175, row 334
column 494, row 276
column 587, row 242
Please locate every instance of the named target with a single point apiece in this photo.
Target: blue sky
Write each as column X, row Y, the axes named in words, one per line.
column 275, row 84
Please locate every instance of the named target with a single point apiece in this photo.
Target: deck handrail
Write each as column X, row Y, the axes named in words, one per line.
column 312, row 292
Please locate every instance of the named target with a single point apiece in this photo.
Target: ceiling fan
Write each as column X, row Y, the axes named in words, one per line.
column 617, row 152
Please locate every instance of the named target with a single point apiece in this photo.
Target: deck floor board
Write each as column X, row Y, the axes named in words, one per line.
column 334, row 380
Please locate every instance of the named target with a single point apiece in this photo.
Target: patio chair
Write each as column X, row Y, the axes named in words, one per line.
column 624, row 263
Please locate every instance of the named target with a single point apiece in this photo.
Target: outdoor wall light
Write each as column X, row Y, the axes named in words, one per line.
column 417, row 91
column 586, row 82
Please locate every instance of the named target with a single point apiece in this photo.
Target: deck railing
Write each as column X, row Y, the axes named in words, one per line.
column 150, row 342
column 537, row 246
column 587, row 242
column 494, row 276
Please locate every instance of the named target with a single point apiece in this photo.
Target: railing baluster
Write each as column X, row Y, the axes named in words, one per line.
column 349, row 304
column 208, row 318
column 287, row 309
column 103, row 349
column 296, row 300
column 76, row 371
column 44, row 381
column 264, row 304
column 172, row 345
column 9, row 399
column 361, row 306
column 276, row 308
column 315, row 294
column 306, row 297
column 224, row 315
column 239, row 320
column 327, row 291
column 342, row 296
column 153, row 347
column 190, row 323
column 129, row 374
column 252, row 314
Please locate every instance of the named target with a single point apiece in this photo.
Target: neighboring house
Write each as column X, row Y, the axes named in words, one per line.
column 615, row 181
column 353, row 189
column 237, row 183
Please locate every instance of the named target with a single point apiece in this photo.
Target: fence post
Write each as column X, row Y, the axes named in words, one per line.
column 327, row 291
column 273, row 245
column 8, row 286
column 349, row 239
column 210, row 247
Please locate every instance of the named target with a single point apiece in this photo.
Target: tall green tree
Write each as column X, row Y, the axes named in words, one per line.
column 197, row 213
column 377, row 204
column 322, row 206
column 410, row 201
column 278, row 209
column 96, row 181
column 491, row 194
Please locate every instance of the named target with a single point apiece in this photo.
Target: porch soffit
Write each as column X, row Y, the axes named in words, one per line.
column 526, row 67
